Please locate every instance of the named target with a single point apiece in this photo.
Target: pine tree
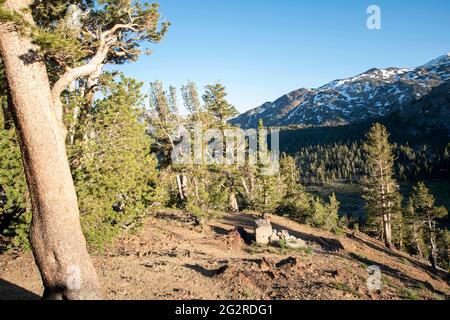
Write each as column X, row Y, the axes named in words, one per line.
column 191, row 101
column 427, row 215
column 324, row 216
column 381, row 189
column 114, row 172
column 217, row 105
column 266, row 174
column 295, row 202
column 217, row 111
column 15, row 213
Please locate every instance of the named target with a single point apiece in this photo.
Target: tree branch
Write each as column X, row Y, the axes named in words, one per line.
column 107, row 40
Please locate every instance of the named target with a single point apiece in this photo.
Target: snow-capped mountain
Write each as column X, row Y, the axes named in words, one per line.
column 373, row 93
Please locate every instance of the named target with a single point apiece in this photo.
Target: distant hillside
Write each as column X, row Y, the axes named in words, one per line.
column 374, row 93
column 425, row 121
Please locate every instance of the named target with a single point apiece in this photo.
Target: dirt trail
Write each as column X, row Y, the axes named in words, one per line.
column 170, row 258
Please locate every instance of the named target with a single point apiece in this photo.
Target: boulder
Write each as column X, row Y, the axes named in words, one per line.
column 294, row 243
column 274, row 239
column 263, row 223
column 235, row 240
column 263, row 231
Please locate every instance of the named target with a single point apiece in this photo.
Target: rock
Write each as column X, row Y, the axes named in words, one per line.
column 294, row 243
column 274, row 239
column 235, row 240
column 263, row 231
column 247, row 236
column 284, row 235
column 262, row 223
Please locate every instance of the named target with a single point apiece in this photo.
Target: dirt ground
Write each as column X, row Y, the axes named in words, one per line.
column 171, row 258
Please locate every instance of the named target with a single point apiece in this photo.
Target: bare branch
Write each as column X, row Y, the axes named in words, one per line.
column 107, row 40
column 79, row 72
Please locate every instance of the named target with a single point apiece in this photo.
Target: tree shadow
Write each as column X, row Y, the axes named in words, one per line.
column 206, row 272
column 10, row 291
column 435, row 274
column 31, row 57
column 174, row 216
column 248, row 237
column 240, row 220
column 327, row 244
column 220, row 231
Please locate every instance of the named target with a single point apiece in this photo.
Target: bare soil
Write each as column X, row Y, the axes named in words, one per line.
column 171, row 258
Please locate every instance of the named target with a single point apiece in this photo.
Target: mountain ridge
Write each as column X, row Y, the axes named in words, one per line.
column 370, row 94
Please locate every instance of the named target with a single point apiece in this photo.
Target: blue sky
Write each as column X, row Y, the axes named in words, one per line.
column 262, row 49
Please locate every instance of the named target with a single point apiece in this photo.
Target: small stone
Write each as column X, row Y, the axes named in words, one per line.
column 263, row 231
column 295, row 244
column 284, row 235
column 274, row 239
column 235, row 240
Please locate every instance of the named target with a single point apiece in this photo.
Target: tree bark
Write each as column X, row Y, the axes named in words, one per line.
column 434, row 250
column 416, row 240
column 57, row 241
column 387, row 232
column 180, row 187
column 184, row 186
column 400, row 231
column 234, row 206
column 197, row 195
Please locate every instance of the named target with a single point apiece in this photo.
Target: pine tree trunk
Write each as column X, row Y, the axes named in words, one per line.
column 57, row 241
column 184, row 186
column 433, row 251
column 72, row 129
column 416, row 240
column 387, row 232
column 234, row 206
column 197, row 195
column 244, row 185
column 400, row 231
column 180, row 187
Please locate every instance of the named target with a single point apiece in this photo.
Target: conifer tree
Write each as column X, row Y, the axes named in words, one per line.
column 165, row 128
column 114, row 172
column 15, row 213
column 295, row 202
column 217, row 112
column 217, row 105
column 267, row 175
column 381, row 189
column 324, row 216
column 427, row 215
column 191, row 101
